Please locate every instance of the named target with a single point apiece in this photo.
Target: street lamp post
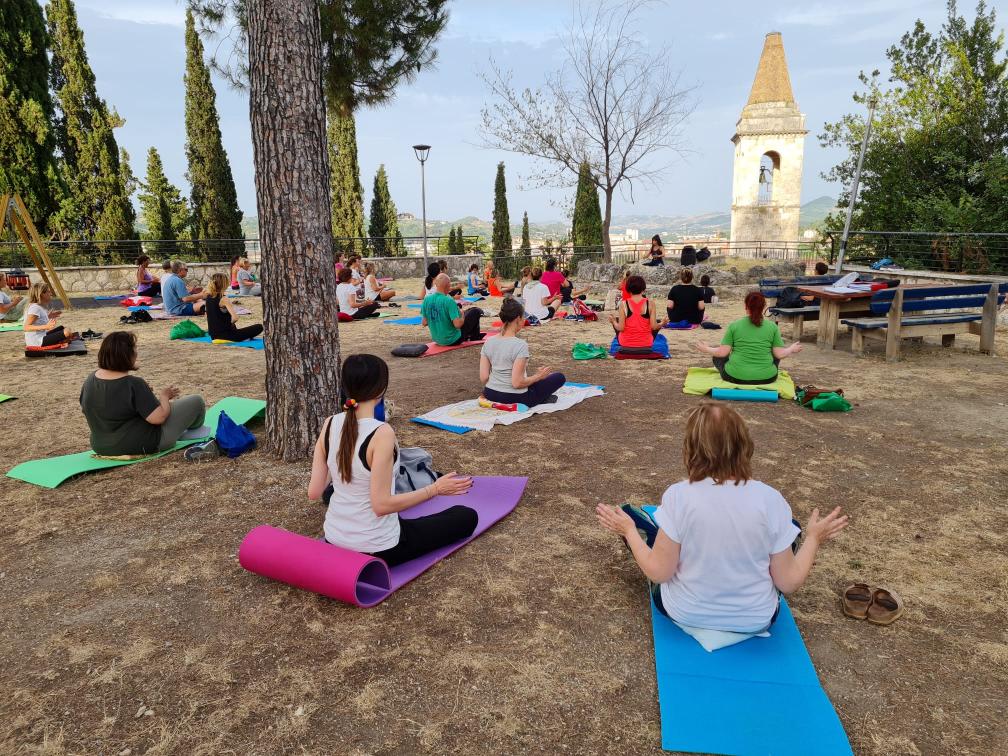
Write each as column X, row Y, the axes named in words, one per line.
column 422, row 150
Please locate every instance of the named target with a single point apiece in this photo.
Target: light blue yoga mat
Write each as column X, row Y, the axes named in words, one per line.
column 249, row 344
column 404, row 321
column 110, row 297
column 415, row 305
column 761, row 696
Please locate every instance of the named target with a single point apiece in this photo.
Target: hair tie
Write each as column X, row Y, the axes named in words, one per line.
column 350, row 404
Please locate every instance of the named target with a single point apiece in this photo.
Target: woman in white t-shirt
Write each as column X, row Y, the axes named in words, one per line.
column 722, row 548
column 537, row 298
column 349, row 301
column 373, row 289
column 40, row 326
column 353, row 464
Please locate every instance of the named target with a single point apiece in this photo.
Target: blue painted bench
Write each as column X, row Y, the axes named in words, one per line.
column 906, row 313
column 795, row 316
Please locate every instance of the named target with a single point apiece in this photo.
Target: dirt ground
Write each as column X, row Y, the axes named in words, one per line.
column 129, row 627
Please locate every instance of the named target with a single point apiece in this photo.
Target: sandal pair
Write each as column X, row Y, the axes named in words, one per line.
column 880, row 606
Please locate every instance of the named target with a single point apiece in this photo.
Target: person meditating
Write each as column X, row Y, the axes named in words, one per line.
column 234, row 268
column 147, row 284
column 222, row 319
column 709, row 295
column 40, row 326
column 180, row 299
column 656, row 254
column 11, row 308
column 722, row 549
column 373, row 289
column 248, row 284
column 473, row 283
column 567, row 291
column 752, row 346
column 350, row 302
column 635, row 320
column 357, row 454
column 448, row 325
column 551, row 278
column 539, row 302
column 124, row 415
column 503, row 361
column 686, row 301
column 494, row 285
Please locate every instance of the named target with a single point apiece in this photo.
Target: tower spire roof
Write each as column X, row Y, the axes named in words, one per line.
column 772, row 82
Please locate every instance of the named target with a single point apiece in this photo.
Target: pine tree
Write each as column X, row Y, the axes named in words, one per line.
column 383, row 227
column 345, row 190
column 526, row 242
column 97, row 205
column 214, row 203
column 162, row 207
column 460, row 242
column 500, row 238
column 586, row 227
column 26, row 139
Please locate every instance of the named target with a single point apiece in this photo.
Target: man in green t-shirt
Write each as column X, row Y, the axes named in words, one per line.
column 448, row 325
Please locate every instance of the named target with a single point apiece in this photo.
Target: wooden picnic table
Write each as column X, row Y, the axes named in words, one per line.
column 831, row 305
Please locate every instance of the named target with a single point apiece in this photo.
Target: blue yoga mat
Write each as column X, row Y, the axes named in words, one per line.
column 660, row 345
column 457, row 429
column 110, row 297
column 415, row 305
column 761, row 696
column 744, row 395
column 404, row 321
column 250, row 344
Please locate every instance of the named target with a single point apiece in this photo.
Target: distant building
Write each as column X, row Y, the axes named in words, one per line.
column 406, row 216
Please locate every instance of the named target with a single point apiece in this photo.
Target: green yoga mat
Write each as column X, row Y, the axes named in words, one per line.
column 11, row 327
column 51, row 472
column 4, row 398
column 700, row 382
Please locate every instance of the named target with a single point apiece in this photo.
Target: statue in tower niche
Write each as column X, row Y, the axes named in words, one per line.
column 769, row 148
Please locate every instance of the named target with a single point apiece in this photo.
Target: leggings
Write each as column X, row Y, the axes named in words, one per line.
column 366, row 311
column 239, row 334
column 721, row 364
column 56, row 336
column 186, row 412
column 535, row 394
column 153, row 290
column 470, row 326
column 455, row 292
column 425, row 534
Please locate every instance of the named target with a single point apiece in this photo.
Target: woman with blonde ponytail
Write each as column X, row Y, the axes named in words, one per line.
column 356, row 453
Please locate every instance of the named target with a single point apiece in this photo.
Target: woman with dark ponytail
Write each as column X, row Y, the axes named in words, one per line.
column 357, row 454
column 752, row 347
column 433, row 270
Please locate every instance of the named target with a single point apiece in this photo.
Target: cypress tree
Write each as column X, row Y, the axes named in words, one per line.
column 26, row 139
column 586, row 227
column 526, row 242
column 345, row 190
column 215, row 211
column 162, row 206
column 384, row 225
column 97, row 205
column 500, row 238
column 460, row 242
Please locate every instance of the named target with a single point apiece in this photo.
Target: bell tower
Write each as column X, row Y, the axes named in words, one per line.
column 769, row 149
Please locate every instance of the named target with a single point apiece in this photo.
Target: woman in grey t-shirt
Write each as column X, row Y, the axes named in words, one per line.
column 503, row 361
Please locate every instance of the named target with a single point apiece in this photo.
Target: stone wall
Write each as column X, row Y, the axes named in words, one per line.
column 612, row 274
column 122, row 278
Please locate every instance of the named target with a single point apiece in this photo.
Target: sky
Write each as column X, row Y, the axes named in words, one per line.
column 137, row 52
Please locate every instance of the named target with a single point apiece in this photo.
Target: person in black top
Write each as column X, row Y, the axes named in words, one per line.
column 686, row 301
column 657, row 253
column 221, row 316
column 705, row 287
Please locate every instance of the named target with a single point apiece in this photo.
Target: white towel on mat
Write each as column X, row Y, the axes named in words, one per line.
column 469, row 414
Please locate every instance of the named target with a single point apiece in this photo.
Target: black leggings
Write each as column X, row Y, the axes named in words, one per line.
column 366, row 311
column 153, row 290
column 535, row 394
column 425, row 534
column 470, row 326
column 56, row 336
column 721, row 362
column 240, row 334
column 455, row 292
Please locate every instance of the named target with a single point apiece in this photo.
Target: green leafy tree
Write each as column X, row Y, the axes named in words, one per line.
column 162, row 207
column 936, row 159
column 383, row 227
column 500, row 237
column 345, row 190
column 97, row 204
column 214, row 201
column 27, row 145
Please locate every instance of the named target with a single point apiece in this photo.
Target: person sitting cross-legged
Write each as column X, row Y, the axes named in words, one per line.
column 447, row 323
column 538, row 300
column 248, row 284
column 178, row 298
column 504, row 359
column 349, row 302
column 373, row 288
column 636, row 320
column 11, row 308
column 473, row 283
column 222, row 319
column 40, row 326
column 686, row 301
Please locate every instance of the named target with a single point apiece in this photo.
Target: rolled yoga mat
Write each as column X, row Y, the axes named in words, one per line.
column 359, row 579
column 744, row 395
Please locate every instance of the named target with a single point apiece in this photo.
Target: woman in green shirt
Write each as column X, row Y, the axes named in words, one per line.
column 752, row 347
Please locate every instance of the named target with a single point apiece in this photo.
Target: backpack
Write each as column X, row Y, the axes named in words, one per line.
column 790, row 297
column 703, row 254
column 186, row 330
column 233, row 439
column 584, row 311
column 414, row 469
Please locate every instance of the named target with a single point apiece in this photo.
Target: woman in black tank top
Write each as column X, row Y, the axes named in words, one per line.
column 221, row 317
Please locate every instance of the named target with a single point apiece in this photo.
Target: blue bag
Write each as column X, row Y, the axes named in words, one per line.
column 233, row 439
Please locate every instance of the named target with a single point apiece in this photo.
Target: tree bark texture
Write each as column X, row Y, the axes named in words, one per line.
column 292, row 198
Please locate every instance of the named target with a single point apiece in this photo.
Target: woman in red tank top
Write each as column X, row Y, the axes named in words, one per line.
column 636, row 321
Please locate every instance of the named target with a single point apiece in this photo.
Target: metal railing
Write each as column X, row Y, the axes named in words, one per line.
column 968, row 253
column 77, row 253
column 406, row 246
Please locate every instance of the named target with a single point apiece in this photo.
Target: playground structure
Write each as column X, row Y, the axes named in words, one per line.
column 16, row 214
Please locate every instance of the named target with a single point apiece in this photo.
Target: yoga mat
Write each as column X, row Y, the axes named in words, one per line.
column 404, row 321
column 660, row 346
column 5, row 398
column 256, row 343
column 744, row 395
column 415, row 305
column 110, row 297
column 761, row 696
column 11, row 327
column 433, row 348
column 701, row 381
column 51, row 472
column 75, row 348
column 135, row 308
column 359, row 579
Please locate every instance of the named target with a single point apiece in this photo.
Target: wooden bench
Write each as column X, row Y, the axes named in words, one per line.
column 937, row 311
column 795, row 316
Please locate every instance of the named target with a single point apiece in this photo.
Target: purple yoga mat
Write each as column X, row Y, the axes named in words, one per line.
column 359, row 579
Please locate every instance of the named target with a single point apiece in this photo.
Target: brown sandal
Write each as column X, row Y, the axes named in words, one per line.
column 886, row 607
column 856, row 600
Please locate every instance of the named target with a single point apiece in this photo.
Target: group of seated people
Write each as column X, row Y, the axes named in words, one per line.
column 222, row 317
column 688, row 257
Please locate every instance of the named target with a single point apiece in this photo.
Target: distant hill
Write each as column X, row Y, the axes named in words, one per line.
column 813, row 213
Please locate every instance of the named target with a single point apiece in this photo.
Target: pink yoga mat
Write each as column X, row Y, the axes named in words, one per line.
column 435, row 348
column 359, row 579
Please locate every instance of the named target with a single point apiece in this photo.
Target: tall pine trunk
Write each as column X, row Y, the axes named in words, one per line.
column 292, row 199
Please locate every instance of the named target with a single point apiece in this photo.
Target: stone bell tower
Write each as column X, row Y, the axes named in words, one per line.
column 769, row 148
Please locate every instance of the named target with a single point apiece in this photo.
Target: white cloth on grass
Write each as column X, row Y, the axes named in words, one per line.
column 469, row 414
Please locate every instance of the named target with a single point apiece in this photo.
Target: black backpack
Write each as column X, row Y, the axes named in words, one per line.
column 790, row 297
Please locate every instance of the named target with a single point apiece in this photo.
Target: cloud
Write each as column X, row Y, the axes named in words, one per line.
column 158, row 12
